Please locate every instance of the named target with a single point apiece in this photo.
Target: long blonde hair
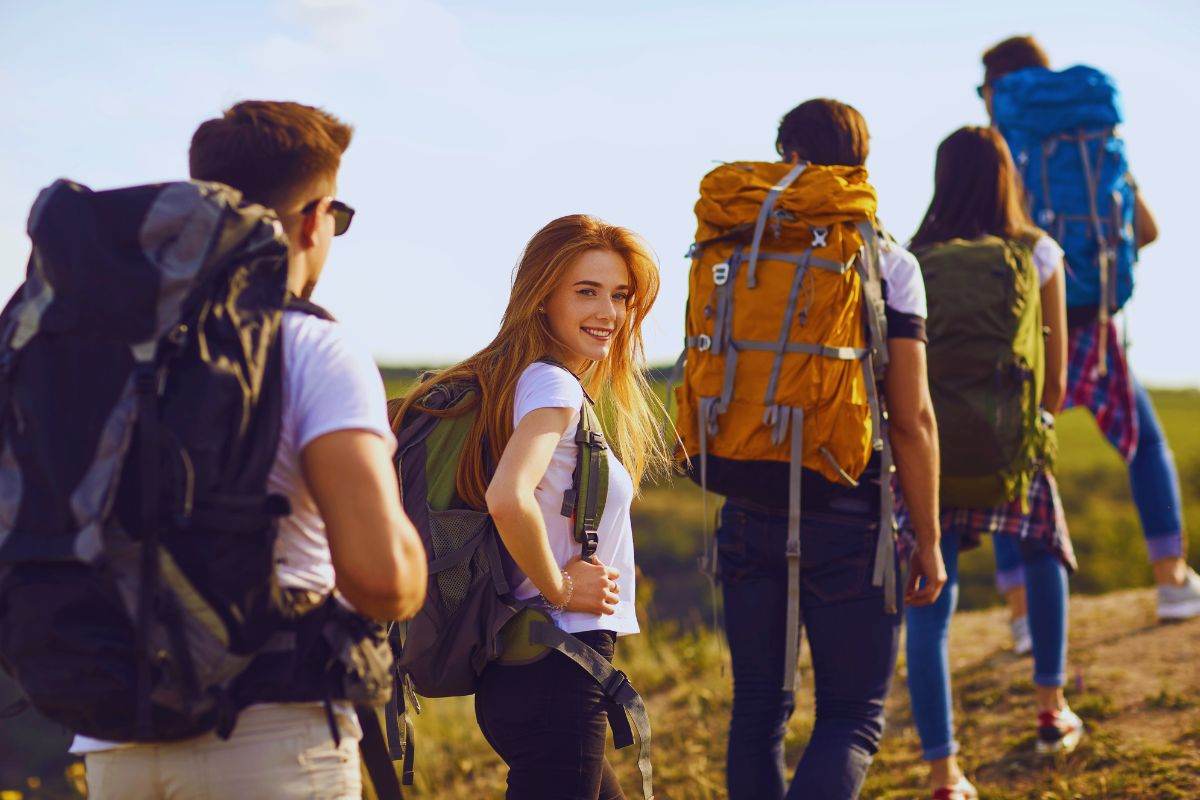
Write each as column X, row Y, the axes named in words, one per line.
column 618, row 383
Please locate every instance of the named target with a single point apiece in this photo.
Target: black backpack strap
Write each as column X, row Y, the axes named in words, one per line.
column 626, row 707
column 293, row 303
column 374, row 750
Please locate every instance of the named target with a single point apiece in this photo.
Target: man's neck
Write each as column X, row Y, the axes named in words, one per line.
column 297, row 277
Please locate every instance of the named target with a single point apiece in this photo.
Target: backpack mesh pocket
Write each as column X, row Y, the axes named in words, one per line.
column 450, row 532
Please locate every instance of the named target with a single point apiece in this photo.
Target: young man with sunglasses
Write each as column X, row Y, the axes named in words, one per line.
column 1115, row 397
column 347, row 534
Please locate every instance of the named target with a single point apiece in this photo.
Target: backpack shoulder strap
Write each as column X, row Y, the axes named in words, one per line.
column 293, row 303
column 583, row 503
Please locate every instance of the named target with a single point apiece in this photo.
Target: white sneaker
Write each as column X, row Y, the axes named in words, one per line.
column 1058, row 731
column 1180, row 602
column 1022, row 642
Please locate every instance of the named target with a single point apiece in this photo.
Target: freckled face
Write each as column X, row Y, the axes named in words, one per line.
column 589, row 306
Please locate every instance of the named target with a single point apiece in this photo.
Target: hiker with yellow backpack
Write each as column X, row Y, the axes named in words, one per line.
column 997, row 376
column 804, row 372
column 523, row 502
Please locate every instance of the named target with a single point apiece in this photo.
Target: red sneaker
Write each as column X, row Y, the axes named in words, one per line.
column 1058, row 731
column 963, row 790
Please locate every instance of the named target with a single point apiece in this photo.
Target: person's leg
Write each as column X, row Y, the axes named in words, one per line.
column 278, row 750
column 1046, row 584
column 928, row 654
column 750, row 546
column 1010, row 574
column 1010, row 581
column 1058, row 728
column 854, row 643
column 547, row 721
column 1154, row 482
column 125, row 773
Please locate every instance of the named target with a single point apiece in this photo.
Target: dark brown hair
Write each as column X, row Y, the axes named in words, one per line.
column 1014, row 53
column 269, row 150
column 976, row 190
column 824, row 132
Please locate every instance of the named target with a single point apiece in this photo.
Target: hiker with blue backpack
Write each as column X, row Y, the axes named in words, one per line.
column 1061, row 128
column 997, row 372
column 524, row 501
column 201, row 524
column 803, row 382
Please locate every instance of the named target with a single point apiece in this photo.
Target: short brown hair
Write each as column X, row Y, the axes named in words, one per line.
column 824, row 132
column 1014, row 53
column 269, row 150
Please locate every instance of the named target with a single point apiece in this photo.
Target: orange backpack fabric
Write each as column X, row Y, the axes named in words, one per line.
column 777, row 320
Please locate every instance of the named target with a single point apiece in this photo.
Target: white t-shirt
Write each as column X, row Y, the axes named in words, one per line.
column 901, row 271
column 330, row 383
column 546, row 386
column 1047, row 257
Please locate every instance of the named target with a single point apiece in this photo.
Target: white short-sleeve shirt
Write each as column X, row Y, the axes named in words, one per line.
column 546, row 386
column 1047, row 257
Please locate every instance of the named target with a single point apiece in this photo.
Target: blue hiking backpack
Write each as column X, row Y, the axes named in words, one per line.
column 1061, row 129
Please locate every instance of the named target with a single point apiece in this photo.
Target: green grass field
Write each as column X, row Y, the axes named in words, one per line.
column 680, row 665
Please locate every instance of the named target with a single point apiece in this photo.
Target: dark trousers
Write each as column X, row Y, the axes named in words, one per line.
column 547, row 721
column 852, row 639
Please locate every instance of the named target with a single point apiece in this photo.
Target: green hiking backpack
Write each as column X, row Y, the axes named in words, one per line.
column 986, row 369
column 470, row 616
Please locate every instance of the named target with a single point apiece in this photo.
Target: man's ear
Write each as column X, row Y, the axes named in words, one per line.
column 309, row 222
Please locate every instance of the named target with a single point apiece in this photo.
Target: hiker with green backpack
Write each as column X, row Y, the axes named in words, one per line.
column 523, row 501
column 997, row 373
column 200, row 523
column 1063, row 129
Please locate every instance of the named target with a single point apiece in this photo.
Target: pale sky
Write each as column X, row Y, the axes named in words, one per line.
column 477, row 123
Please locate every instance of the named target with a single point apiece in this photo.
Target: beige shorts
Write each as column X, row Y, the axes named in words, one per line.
column 279, row 751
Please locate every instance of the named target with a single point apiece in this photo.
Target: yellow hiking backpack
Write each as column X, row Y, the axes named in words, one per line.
column 786, row 339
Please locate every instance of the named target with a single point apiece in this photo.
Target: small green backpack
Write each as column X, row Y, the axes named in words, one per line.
column 986, row 369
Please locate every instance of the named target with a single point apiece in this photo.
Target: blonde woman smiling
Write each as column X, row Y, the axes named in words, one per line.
column 572, row 329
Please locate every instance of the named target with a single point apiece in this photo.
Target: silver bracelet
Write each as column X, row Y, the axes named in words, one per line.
column 568, row 592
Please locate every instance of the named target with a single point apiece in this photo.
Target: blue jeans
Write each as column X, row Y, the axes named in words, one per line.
column 928, row 655
column 853, row 643
column 1154, row 482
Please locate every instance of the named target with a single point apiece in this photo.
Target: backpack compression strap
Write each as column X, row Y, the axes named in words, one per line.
column 873, row 367
column 626, row 705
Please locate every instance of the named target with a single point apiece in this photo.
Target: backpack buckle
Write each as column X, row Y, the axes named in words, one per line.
column 720, row 273
column 820, row 235
column 570, row 499
column 1046, row 217
column 703, row 342
column 615, row 683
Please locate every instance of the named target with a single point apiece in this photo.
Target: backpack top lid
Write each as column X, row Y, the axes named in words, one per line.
column 732, row 196
column 123, row 261
column 1040, row 102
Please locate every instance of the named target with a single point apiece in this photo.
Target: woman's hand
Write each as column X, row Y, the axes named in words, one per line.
column 926, row 577
column 595, row 587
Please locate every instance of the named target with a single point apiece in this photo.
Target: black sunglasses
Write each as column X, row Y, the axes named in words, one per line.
column 343, row 214
column 979, row 90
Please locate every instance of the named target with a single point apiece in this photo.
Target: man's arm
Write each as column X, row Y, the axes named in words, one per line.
column 378, row 560
column 913, row 434
column 1145, row 229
